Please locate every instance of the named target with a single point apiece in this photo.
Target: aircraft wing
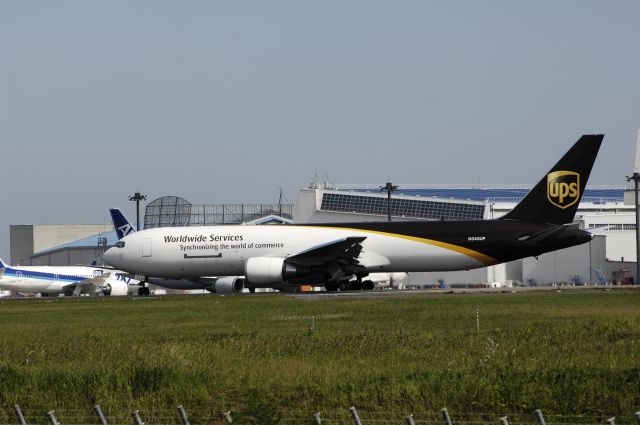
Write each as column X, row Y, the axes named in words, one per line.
column 93, row 282
column 345, row 250
column 338, row 258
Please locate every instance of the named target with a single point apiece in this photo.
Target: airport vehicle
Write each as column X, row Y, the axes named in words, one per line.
column 222, row 284
column 332, row 254
column 68, row 280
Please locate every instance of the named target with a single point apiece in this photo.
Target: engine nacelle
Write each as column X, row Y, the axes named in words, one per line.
column 228, row 285
column 264, row 271
column 114, row 286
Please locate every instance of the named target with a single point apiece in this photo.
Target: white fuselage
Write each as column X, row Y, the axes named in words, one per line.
column 53, row 279
column 191, row 252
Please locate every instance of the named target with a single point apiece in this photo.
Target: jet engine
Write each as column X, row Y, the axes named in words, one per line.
column 262, row 271
column 227, row 285
column 114, row 287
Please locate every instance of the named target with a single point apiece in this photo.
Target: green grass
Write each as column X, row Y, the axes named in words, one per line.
column 566, row 353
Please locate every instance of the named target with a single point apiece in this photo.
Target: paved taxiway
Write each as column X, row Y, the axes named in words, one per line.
column 374, row 293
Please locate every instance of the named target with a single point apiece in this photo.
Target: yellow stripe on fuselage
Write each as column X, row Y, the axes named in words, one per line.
column 485, row 259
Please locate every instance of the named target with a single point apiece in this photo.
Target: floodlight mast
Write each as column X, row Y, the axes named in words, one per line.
column 137, row 197
column 389, row 187
column 636, row 180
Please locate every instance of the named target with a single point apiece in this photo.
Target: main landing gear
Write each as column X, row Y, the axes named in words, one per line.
column 355, row 285
column 331, row 286
column 365, row 285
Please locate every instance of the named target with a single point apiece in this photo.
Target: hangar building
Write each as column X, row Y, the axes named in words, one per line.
column 49, row 244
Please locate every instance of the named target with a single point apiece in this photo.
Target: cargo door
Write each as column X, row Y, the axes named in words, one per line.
column 146, row 247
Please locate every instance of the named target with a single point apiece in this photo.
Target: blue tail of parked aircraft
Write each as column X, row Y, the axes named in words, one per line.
column 121, row 224
column 2, row 264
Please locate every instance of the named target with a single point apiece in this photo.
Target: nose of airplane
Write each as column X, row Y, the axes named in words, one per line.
column 111, row 257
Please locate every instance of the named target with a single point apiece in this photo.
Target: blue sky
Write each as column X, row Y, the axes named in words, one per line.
column 228, row 101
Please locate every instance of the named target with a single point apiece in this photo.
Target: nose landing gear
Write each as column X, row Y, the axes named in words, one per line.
column 143, row 290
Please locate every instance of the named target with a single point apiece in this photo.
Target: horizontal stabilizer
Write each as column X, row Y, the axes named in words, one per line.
column 549, row 234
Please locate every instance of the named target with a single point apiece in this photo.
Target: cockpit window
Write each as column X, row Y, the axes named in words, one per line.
column 120, row 244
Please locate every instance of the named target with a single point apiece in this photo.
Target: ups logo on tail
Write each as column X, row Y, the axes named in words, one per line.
column 563, row 188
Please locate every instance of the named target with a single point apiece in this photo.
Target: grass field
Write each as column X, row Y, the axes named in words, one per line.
column 563, row 352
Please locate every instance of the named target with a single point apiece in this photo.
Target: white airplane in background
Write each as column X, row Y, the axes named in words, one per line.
column 386, row 280
column 67, row 280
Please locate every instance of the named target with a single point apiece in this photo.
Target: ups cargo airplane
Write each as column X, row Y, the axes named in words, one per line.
column 342, row 255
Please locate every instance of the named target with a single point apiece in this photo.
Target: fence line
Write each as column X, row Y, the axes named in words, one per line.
column 350, row 416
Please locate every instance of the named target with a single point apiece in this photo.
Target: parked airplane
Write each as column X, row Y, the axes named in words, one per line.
column 387, row 280
column 68, row 280
column 332, row 254
column 211, row 284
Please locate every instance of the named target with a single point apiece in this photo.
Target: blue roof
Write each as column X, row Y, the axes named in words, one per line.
column 88, row 242
column 595, row 195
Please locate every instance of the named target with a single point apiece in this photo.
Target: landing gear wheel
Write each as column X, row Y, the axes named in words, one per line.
column 143, row 291
column 331, row 286
column 368, row 285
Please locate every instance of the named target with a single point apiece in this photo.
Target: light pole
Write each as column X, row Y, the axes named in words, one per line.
column 636, row 180
column 137, row 197
column 389, row 187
